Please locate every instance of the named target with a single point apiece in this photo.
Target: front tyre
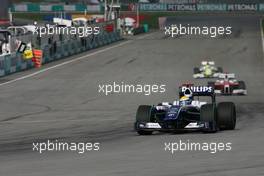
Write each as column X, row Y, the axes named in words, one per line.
column 241, row 85
column 196, row 70
column 219, row 69
column 143, row 116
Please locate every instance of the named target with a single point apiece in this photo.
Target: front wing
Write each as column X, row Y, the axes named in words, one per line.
column 234, row 92
column 150, row 126
column 202, row 75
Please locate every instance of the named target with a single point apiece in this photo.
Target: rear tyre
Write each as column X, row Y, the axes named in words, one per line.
column 220, row 69
column 196, row 70
column 143, row 116
column 208, row 115
column 226, row 115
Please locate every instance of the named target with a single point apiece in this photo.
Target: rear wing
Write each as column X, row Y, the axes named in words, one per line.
column 191, row 90
column 207, row 63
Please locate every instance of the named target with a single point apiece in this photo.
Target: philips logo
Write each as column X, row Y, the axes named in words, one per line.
column 198, row 89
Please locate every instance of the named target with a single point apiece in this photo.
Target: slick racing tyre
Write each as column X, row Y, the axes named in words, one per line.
column 220, row 69
column 241, row 85
column 143, row 116
column 196, row 70
column 226, row 115
column 208, row 115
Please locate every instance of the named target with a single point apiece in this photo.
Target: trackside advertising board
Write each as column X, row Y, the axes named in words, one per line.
column 200, row 7
column 181, row 7
column 153, row 7
column 211, row 7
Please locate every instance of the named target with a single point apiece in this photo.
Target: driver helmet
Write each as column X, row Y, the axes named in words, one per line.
column 184, row 100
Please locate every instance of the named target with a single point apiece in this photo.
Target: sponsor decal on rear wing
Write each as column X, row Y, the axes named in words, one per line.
column 196, row 91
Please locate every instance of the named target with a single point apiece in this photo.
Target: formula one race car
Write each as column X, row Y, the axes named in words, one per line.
column 228, row 85
column 187, row 113
column 207, row 70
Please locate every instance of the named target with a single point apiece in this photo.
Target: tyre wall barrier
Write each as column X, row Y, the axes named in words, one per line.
column 57, row 50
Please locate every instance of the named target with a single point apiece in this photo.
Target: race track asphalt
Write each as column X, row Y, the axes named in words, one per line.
column 63, row 103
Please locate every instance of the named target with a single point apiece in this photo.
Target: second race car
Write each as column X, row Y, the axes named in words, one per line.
column 228, row 85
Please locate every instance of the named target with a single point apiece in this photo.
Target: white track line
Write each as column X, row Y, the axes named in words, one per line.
column 64, row 63
column 71, row 61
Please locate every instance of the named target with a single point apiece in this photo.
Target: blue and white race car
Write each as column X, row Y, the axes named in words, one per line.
column 187, row 113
